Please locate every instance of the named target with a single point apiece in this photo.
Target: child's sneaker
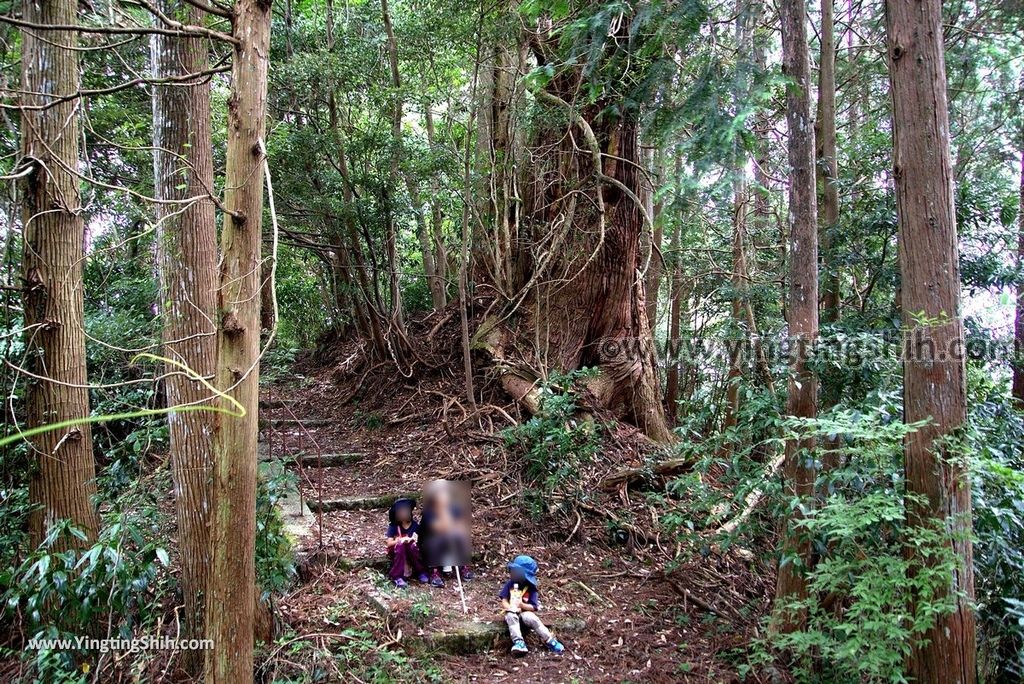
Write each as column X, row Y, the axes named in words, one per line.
column 401, row 583
column 519, row 648
column 423, row 579
column 466, row 573
column 555, row 646
column 435, row 579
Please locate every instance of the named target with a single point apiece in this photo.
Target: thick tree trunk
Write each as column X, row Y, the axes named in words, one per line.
column 802, row 307
column 934, row 384
column 827, row 168
column 54, row 234
column 231, row 596
column 187, row 256
column 584, row 301
column 498, row 263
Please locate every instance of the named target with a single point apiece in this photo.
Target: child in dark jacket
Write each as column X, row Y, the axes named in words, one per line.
column 520, row 601
column 401, row 540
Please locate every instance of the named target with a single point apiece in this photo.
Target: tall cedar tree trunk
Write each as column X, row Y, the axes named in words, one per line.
column 583, row 300
column 827, row 169
column 187, row 255
column 802, row 394
column 1018, row 323
column 54, row 233
column 231, row 596
column 933, row 387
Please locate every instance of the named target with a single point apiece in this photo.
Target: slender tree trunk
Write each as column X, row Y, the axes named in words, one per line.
column 231, row 596
column 802, row 392
column 827, row 169
column 54, row 233
column 1018, row 323
column 675, row 364
column 187, row 255
column 391, row 236
column 654, row 165
column 434, row 283
column 934, row 383
column 437, row 217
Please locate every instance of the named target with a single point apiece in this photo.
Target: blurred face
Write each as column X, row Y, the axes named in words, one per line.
column 403, row 514
column 516, row 575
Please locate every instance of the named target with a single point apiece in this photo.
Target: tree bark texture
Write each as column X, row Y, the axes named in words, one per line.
column 934, row 383
column 54, row 234
column 231, row 595
column 802, row 308
column 187, row 258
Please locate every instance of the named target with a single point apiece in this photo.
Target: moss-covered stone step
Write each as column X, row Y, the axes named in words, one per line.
column 472, row 637
column 295, row 422
column 309, row 460
column 360, row 503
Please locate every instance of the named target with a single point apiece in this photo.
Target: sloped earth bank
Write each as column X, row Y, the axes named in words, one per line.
column 611, row 604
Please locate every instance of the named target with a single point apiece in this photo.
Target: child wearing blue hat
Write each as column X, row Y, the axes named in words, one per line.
column 519, row 599
column 401, row 539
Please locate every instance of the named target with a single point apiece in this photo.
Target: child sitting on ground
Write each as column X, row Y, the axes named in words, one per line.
column 520, row 602
column 402, row 538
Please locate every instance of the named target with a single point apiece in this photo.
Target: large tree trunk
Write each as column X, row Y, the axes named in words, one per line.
column 802, row 309
column 231, row 595
column 827, row 168
column 582, row 301
column 54, row 234
column 498, row 264
column 934, row 383
column 187, row 246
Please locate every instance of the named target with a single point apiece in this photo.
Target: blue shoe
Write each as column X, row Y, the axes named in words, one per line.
column 555, row 646
column 423, row 579
column 401, row 583
column 519, row 648
column 466, row 573
column 435, row 579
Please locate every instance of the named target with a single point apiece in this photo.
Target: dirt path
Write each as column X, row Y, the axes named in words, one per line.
column 618, row 620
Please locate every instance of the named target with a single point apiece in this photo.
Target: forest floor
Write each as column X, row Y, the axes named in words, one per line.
column 621, row 614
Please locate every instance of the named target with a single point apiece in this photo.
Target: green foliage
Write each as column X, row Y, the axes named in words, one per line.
column 876, row 584
column 356, row 653
column 995, row 441
column 115, row 586
column 556, row 443
column 275, row 558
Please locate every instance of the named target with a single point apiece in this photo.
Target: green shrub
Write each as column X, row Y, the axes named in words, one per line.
column 556, row 443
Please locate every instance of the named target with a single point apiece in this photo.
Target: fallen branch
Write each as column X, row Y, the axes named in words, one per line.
column 661, row 468
column 753, row 499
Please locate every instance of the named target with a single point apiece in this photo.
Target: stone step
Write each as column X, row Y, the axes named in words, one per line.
column 297, row 422
column 309, row 460
column 360, row 503
column 472, row 637
column 275, row 403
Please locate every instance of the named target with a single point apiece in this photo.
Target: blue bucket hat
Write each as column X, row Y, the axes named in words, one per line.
column 400, row 503
column 528, row 566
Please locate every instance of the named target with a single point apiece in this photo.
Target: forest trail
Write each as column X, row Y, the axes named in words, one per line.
column 611, row 606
